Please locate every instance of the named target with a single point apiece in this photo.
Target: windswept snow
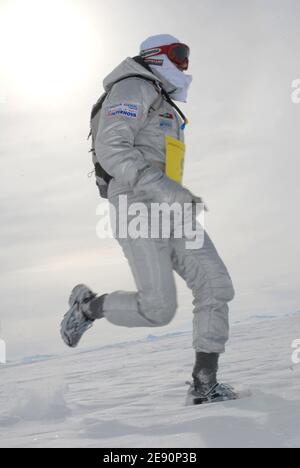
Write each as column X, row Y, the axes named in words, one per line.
column 133, row 394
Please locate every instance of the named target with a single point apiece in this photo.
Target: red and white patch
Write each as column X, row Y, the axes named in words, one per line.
column 153, row 61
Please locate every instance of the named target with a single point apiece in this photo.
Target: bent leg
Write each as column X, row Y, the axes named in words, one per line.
column 154, row 304
column 207, row 277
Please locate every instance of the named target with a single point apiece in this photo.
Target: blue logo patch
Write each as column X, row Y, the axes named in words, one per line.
column 127, row 110
column 165, row 123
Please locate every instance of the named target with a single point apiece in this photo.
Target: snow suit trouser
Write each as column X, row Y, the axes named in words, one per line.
column 154, row 304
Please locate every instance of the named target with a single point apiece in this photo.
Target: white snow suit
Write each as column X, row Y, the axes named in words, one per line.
column 130, row 146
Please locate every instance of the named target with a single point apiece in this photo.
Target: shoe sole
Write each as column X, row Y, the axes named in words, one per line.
column 194, row 399
column 66, row 338
column 73, row 303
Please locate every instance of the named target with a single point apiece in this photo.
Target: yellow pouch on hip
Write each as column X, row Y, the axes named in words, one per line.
column 175, row 152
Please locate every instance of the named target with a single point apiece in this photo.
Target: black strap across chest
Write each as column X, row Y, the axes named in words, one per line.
column 138, row 59
column 157, row 84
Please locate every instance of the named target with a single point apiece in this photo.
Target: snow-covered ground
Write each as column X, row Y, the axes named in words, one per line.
column 133, row 394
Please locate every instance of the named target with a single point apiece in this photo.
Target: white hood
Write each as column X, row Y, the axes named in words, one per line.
column 166, row 70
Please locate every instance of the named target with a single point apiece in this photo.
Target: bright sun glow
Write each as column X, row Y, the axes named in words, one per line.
column 45, row 48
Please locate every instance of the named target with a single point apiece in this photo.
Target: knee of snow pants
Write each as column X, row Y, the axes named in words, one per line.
column 158, row 312
column 154, row 303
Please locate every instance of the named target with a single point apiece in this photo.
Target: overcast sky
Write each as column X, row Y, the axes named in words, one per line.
column 243, row 152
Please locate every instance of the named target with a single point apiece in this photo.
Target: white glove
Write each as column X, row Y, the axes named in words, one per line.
column 161, row 189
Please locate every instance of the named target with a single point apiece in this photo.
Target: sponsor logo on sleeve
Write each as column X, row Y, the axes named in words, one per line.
column 125, row 110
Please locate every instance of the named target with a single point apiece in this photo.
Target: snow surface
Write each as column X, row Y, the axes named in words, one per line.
column 133, row 394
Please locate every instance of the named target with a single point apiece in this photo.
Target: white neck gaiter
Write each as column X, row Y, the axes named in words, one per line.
column 167, row 70
column 178, row 79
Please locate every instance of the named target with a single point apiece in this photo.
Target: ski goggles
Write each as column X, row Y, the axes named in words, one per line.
column 177, row 53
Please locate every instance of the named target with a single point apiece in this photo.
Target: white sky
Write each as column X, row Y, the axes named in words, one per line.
column 243, row 152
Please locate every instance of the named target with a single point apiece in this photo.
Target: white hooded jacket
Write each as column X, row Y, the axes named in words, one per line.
column 130, row 143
